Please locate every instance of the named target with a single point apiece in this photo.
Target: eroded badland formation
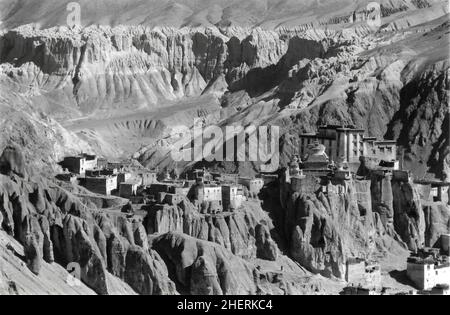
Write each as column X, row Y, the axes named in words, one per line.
column 359, row 204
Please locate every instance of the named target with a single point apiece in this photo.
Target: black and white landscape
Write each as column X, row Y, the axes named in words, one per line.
column 119, row 174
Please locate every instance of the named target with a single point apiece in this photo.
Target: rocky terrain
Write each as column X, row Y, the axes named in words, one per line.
column 133, row 74
column 125, row 89
column 45, row 228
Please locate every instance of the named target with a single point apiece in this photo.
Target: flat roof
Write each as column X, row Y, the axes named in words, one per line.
column 316, row 136
column 100, row 177
column 432, row 183
column 350, row 129
column 341, row 127
column 130, row 183
column 386, row 142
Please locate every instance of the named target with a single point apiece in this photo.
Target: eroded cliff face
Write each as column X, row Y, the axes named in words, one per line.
column 131, row 67
column 241, row 232
column 437, row 220
column 205, row 268
column 422, row 123
column 54, row 226
column 327, row 224
column 213, row 268
column 294, row 78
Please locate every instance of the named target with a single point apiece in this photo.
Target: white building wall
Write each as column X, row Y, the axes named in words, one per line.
column 427, row 277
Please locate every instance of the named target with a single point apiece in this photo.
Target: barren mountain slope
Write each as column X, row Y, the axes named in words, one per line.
column 123, row 90
column 178, row 13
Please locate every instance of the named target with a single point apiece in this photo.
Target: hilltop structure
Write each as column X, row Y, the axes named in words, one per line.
column 80, row 164
column 348, row 144
column 429, row 268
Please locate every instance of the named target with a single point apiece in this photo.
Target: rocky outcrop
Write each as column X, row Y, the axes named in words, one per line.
column 147, row 273
column 17, row 279
column 422, row 123
column 437, row 222
column 12, row 162
column 266, row 247
column 409, row 218
column 215, row 269
column 236, row 231
column 325, row 229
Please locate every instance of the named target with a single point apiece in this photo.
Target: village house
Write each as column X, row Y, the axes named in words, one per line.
column 103, row 185
column 147, row 178
column 128, row 189
column 169, row 199
column 79, row 164
column 230, row 197
column 352, row 290
column 102, row 163
column 208, row 193
column 360, row 273
column 93, row 173
column 68, row 178
column 298, row 181
column 428, row 269
column 434, row 191
column 356, row 269
column 109, row 171
column 225, row 177
column 123, row 177
column 201, row 174
column 254, row 185
column 155, row 189
column 440, row 289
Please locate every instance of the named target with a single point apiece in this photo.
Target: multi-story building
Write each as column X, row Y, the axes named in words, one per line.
column 67, row 177
column 208, row 193
column 428, row 269
column 360, row 273
column 348, row 144
column 128, row 189
column 230, row 198
column 79, row 164
column 147, row 178
column 103, row 185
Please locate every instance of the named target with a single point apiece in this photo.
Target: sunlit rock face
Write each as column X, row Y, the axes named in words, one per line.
column 309, row 77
